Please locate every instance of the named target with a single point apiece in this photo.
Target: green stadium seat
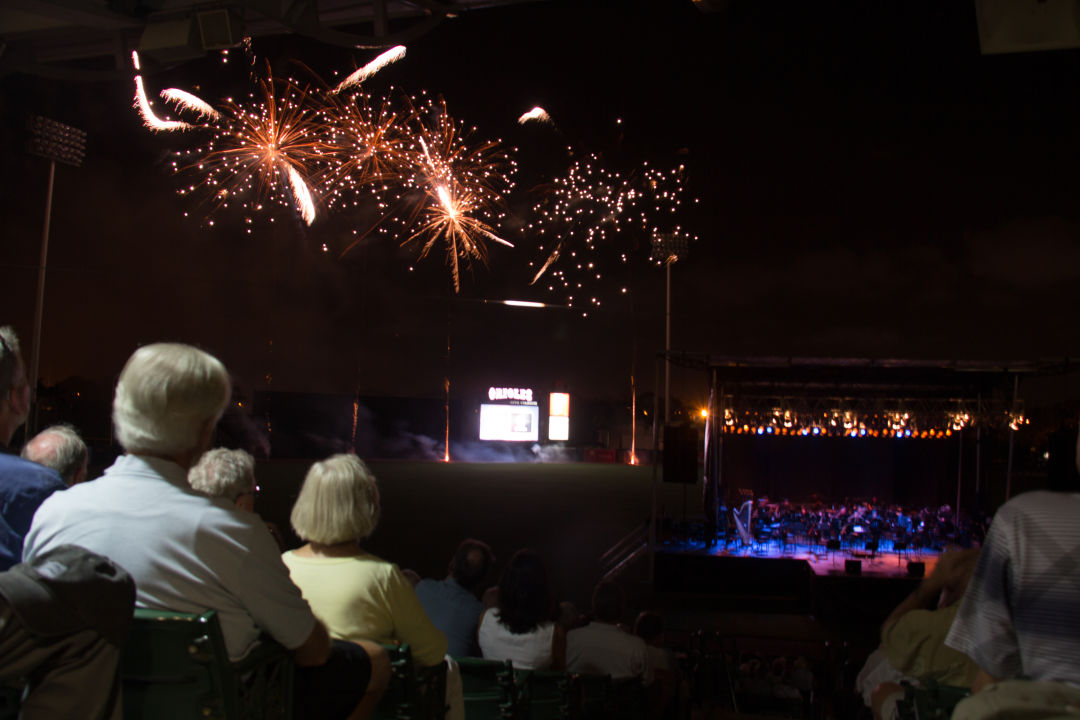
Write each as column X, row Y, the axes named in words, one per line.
column 175, row 666
column 488, row 687
column 546, row 695
column 413, row 693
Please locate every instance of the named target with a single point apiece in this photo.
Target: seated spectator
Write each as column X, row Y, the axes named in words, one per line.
column 356, row 594
column 649, row 626
column 188, row 553
column 1018, row 618
column 453, row 604
column 228, row 474
column 63, row 620
column 59, row 447
column 520, row 627
column 24, row 485
column 602, row 647
column 913, row 638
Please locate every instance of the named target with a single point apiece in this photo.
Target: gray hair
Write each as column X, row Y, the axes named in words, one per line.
column 66, row 454
column 223, row 473
column 167, row 395
column 339, row 501
column 10, row 354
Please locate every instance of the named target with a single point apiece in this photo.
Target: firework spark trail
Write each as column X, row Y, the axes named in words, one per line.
column 150, row 119
column 302, row 195
column 390, row 56
column 537, row 114
column 187, row 101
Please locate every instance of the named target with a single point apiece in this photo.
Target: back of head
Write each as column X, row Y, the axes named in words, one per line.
column 168, row 395
column 223, row 473
column 523, row 593
column 471, row 564
column 339, row 502
column 58, row 447
column 10, row 354
column 648, row 625
column 608, row 602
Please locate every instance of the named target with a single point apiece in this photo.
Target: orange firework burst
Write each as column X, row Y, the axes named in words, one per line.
column 266, row 149
column 462, row 188
column 371, row 147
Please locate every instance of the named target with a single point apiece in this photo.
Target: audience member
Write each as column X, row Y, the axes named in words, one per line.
column 452, row 604
column 649, row 626
column 229, row 474
column 59, row 447
column 601, row 647
column 913, row 638
column 1018, row 618
column 63, row 620
column 24, row 485
column 188, row 553
column 520, row 627
column 356, row 594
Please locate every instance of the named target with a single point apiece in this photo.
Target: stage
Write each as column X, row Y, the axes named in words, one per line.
column 886, row 561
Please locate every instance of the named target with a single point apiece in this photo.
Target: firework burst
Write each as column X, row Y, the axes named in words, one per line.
column 451, row 190
column 372, row 146
column 592, row 215
column 263, row 150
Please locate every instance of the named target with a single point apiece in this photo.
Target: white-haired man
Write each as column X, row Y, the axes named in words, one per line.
column 59, row 447
column 228, row 474
column 190, row 553
column 23, row 485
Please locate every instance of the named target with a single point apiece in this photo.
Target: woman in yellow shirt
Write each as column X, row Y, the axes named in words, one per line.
column 356, row 594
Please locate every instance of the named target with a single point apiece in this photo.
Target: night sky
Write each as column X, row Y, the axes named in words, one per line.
column 869, row 185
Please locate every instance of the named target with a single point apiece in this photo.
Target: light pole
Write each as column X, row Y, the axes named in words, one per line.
column 55, row 142
column 667, row 248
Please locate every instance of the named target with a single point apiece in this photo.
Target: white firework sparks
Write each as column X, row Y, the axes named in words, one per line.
column 302, row 195
column 149, row 118
column 390, row 56
column 187, row 101
column 537, row 114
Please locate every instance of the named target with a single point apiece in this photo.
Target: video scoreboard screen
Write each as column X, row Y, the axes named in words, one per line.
column 510, row 422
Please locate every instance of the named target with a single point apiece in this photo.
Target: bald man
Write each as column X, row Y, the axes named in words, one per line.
column 59, row 447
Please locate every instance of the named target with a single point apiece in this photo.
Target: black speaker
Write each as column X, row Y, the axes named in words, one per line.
column 853, row 567
column 916, row 569
column 680, row 454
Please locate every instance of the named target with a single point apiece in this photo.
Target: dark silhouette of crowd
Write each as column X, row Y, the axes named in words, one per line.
column 172, row 525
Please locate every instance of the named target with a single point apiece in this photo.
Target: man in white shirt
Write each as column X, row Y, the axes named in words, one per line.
column 190, row 553
column 602, row 647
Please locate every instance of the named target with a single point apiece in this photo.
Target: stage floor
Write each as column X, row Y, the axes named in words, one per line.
column 886, row 562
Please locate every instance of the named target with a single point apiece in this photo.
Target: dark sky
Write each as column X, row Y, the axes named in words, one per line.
column 869, row 185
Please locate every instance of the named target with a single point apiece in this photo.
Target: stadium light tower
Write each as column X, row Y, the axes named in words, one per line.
column 56, row 142
column 668, row 248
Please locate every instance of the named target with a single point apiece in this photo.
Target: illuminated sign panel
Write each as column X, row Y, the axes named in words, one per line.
column 513, row 423
column 558, row 428
column 521, row 394
column 559, row 416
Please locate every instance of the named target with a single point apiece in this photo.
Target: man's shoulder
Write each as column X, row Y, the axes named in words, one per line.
column 22, row 475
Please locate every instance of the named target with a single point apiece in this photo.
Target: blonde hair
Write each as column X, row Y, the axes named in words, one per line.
column 338, row 502
column 166, row 396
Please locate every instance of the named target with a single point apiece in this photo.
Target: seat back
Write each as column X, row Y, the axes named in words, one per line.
column 545, row 695
column 488, row 688
column 594, row 692
column 175, row 665
column 413, row 694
